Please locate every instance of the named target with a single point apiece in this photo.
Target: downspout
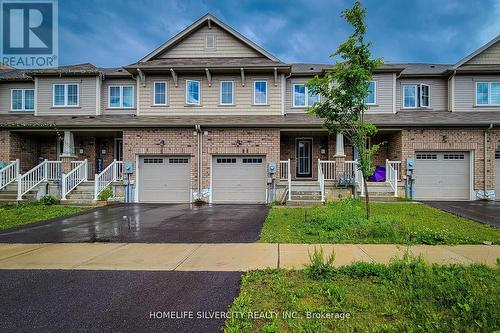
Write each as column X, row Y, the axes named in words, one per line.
column 451, row 92
column 199, row 136
column 485, row 197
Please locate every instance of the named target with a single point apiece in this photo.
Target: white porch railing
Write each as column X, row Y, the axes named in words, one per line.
column 286, row 174
column 328, row 169
column 31, row 179
column 321, row 180
column 111, row 173
column 75, row 177
column 392, row 176
column 54, row 170
column 9, row 174
column 358, row 178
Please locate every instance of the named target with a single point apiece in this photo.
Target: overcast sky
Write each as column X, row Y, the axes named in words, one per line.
column 119, row 32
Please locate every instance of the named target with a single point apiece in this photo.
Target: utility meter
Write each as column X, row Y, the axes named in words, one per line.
column 271, row 167
column 410, row 163
column 128, row 167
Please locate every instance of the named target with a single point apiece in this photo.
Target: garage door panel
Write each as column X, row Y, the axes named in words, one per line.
column 164, row 179
column 497, row 175
column 238, row 179
column 442, row 176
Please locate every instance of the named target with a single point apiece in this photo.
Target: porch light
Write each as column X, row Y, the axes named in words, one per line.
column 81, row 150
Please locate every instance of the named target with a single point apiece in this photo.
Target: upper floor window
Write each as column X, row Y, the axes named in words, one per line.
column 192, row 92
column 302, row 97
column 160, row 93
column 121, row 97
column 22, row 99
column 487, row 93
column 371, row 98
column 65, row 94
column 416, row 96
column 226, row 92
column 260, row 92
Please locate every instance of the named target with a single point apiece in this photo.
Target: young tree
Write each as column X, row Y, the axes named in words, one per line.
column 343, row 91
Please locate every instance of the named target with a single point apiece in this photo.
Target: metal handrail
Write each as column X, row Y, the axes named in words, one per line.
column 9, row 174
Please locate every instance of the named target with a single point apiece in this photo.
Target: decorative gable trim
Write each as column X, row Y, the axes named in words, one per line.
column 209, row 19
column 477, row 52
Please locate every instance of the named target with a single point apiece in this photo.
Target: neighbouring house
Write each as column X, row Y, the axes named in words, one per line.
column 211, row 115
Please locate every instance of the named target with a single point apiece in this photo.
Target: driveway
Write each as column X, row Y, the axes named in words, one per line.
column 113, row 301
column 487, row 212
column 149, row 223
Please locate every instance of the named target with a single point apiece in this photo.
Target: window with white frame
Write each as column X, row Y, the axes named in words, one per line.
column 260, row 92
column 22, row 99
column 210, row 41
column 226, row 92
column 65, row 95
column 371, row 98
column 121, row 97
column 303, row 97
column 487, row 93
column 160, row 93
column 416, row 96
column 192, row 92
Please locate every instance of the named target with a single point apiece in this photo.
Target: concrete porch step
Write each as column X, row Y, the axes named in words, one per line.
column 315, row 191
column 383, row 198
column 303, row 203
column 78, row 202
column 314, row 197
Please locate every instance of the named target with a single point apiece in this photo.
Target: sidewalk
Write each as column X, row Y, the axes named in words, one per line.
column 222, row 257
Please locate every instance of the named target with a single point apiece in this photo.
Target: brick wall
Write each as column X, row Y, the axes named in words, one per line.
column 4, row 146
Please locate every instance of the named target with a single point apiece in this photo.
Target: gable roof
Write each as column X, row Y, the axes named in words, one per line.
column 477, row 52
column 207, row 18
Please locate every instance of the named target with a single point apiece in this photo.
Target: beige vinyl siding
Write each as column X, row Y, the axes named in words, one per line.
column 86, row 96
column 438, row 92
column 194, row 46
column 5, row 94
column 105, row 93
column 465, row 92
column 289, row 108
column 490, row 56
column 209, row 96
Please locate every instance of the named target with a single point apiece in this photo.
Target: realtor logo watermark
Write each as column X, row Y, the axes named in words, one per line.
column 29, row 33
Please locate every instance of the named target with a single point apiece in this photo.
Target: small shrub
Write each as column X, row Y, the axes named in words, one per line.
column 106, row 193
column 199, row 202
column 319, row 268
column 47, row 200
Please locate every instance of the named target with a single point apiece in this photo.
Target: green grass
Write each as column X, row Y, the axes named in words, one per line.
column 13, row 216
column 401, row 223
column 406, row 296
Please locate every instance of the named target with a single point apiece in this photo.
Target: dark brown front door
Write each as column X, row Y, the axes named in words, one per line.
column 304, row 158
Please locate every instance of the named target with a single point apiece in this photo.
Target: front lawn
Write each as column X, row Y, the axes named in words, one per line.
column 406, row 296
column 13, row 216
column 401, row 223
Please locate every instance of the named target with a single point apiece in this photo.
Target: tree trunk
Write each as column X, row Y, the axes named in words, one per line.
column 367, row 199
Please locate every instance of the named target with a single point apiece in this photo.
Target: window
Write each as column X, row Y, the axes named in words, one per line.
column 252, row 160
column 210, row 41
column 371, row 98
column 497, row 155
column 260, row 92
column 22, row 100
column 416, row 96
column 192, row 92
column 226, row 160
column 487, row 93
column 152, row 160
column 426, row 156
column 454, row 156
column 121, row 97
column 226, row 93
column 65, row 95
column 178, row 160
column 160, row 93
column 302, row 97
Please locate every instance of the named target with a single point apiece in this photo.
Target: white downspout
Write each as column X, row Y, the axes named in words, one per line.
column 485, row 158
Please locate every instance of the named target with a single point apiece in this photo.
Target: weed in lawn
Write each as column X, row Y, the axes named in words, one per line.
column 319, row 268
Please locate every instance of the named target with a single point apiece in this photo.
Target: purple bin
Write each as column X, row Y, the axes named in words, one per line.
column 378, row 175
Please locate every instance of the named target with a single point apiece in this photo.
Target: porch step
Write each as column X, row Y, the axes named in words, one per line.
column 78, row 202
column 302, row 203
column 383, row 198
column 307, row 197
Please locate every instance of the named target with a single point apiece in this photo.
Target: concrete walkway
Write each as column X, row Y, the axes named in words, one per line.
column 222, row 257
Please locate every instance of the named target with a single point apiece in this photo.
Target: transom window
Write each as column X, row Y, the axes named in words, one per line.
column 192, row 92
column 260, row 92
column 22, row 99
column 121, row 97
column 416, row 96
column 226, row 92
column 160, row 93
column 302, row 97
column 226, row 160
column 371, row 98
column 65, row 95
column 426, row 156
column 487, row 93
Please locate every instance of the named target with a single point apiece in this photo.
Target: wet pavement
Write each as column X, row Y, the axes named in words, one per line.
column 149, row 223
column 486, row 212
column 113, row 301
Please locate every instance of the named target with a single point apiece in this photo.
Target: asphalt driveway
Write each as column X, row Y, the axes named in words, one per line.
column 149, row 223
column 487, row 212
column 113, row 301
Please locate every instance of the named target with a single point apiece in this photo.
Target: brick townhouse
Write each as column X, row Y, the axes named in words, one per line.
column 210, row 115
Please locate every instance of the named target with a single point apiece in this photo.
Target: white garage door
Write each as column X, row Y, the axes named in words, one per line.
column 442, row 176
column 164, row 179
column 497, row 175
column 238, row 179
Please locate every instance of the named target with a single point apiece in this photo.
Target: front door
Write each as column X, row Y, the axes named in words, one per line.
column 304, row 157
column 119, row 149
